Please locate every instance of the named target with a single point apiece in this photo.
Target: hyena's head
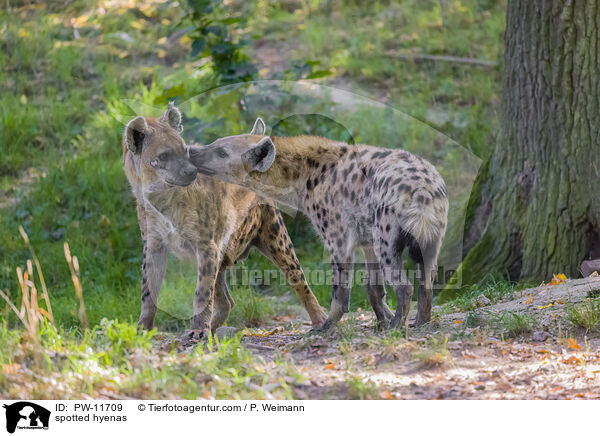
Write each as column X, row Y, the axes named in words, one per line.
column 154, row 150
column 233, row 158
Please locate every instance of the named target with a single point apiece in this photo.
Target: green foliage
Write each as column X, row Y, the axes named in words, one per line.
column 213, row 35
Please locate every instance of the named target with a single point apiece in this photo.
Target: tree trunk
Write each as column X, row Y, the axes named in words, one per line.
column 535, row 208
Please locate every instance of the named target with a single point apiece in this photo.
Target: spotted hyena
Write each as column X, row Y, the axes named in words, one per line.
column 381, row 200
column 198, row 217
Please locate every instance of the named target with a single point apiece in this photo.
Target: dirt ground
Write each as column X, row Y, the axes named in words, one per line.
column 451, row 358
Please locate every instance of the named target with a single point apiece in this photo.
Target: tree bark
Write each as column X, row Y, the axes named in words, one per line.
column 535, row 208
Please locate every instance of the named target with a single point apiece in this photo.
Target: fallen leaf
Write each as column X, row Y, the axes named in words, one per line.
column 387, row 395
column 545, row 307
column 458, row 321
column 571, row 360
column 529, row 300
column 558, row 279
column 330, row 366
column 573, row 344
column 11, row 368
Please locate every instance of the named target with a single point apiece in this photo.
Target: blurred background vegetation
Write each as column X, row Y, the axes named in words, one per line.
column 68, row 68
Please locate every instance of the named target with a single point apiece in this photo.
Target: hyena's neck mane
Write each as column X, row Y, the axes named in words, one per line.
column 298, row 160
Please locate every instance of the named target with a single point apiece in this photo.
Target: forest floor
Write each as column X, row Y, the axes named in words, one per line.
column 536, row 343
column 521, row 348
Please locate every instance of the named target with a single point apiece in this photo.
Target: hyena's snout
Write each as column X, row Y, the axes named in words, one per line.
column 188, row 170
column 200, row 158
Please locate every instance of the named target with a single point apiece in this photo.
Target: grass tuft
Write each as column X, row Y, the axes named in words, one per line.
column 516, row 325
column 250, row 310
column 435, row 355
column 585, row 315
column 359, row 389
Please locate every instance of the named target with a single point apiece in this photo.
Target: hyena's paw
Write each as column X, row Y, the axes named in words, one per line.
column 319, row 319
column 382, row 325
column 196, row 335
column 388, row 313
column 145, row 325
column 328, row 325
column 397, row 322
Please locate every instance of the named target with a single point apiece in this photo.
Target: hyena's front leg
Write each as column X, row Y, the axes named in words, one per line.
column 154, row 265
column 208, row 264
column 223, row 301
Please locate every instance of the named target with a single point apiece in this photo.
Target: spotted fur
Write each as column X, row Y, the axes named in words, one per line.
column 384, row 201
column 209, row 221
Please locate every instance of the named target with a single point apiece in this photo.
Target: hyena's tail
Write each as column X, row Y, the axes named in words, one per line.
column 426, row 215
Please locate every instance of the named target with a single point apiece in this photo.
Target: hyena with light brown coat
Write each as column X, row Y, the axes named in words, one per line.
column 381, row 200
column 194, row 216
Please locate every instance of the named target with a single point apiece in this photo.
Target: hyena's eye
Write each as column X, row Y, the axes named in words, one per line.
column 221, row 153
column 163, row 156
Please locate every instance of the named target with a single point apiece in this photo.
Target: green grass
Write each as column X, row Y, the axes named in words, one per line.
column 365, row 45
column 113, row 360
column 585, row 315
column 359, row 389
column 496, row 289
column 250, row 310
column 515, row 324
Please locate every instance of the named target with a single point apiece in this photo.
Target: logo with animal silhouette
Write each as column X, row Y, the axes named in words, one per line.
column 26, row 415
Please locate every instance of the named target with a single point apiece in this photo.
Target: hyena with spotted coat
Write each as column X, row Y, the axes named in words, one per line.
column 198, row 217
column 381, row 200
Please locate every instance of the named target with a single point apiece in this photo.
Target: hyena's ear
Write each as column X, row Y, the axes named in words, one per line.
column 259, row 128
column 172, row 116
column 135, row 133
column 261, row 156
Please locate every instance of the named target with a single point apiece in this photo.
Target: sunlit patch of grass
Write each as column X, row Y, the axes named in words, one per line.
column 585, row 315
column 113, row 360
column 495, row 289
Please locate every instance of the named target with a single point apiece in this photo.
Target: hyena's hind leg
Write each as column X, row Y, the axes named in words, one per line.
column 427, row 273
column 390, row 242
column 223, row 301
column 275, row 243
column 342, row 267
column 375, row 286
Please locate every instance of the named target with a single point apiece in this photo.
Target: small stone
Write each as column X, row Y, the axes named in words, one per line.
column 482, row 300
column 540, row 336
column 588, row 267
column 225, row 332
